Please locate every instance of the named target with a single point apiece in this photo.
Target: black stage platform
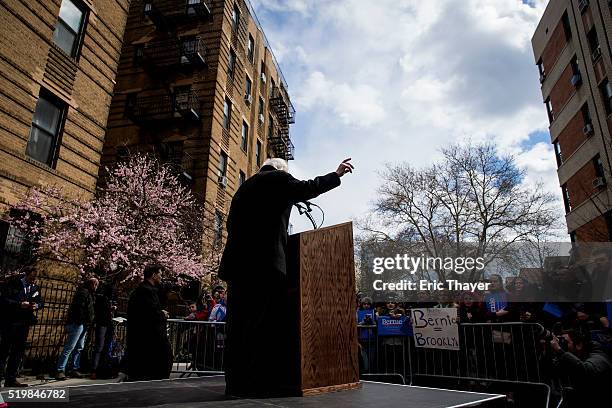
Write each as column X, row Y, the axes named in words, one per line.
column 209, row 392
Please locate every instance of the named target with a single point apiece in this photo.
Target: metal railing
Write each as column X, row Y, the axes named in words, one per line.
column 180, row 104
column 508, row 353
column 198, row 346
column 175, row 52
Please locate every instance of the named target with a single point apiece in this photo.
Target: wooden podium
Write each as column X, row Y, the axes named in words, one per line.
column 321, row 277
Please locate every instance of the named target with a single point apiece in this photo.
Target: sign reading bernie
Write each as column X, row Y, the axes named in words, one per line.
column 436, row 328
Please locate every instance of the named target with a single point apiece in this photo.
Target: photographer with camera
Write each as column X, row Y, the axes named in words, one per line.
column 19, row 300
column 586, row 364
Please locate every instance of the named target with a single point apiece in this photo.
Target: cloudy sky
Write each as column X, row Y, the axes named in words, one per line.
column 394, row 80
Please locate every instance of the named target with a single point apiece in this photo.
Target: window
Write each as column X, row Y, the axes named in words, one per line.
column 245, row 136
column 599, row 168
column 586, row 115
column 558, row 154
column 241, row 178
column 270, row 127
column 594, row 44
column 43, row 143
column 69, row 27
column 172, row 152
column 138, row 53
column 263, row 71
column 227, row 113
column 576, row 76
column 122, row 153
column 541, row 71
column 218, row 227
column 258, row 154
column 606, row 94
column 16, row 249
column 235, row 17
column 566, row 199
column 189, row 46
column 573, row 236
column 248, row 86
column 251, row 49
column 272, row 86
column 261, row 106
column 232, row 63
column 566, row 26
column 549, row 110
column 222, row 165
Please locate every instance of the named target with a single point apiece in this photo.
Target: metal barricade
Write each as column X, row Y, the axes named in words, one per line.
column 508, row 353
column 198, row 346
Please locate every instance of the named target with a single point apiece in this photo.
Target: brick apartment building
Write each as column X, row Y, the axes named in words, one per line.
column 58, row 60
column 572, row 49
column 198, row 85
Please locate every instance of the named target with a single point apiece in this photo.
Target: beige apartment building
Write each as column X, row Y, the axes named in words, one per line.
column 58, row 60
column 572, row 49
column 198, row 85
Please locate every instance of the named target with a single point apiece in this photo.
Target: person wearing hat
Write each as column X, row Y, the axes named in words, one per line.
column 254, row 262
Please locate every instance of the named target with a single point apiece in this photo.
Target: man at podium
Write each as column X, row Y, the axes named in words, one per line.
column 254, row 266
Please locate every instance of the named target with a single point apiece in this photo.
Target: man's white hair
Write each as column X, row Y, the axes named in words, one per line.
column 277, row 163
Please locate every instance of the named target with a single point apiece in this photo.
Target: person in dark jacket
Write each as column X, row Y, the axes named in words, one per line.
column 148, row 349
column 586, row 364
column 104, row 308
column 254, row 261
column 80, row 316
column 19, row 299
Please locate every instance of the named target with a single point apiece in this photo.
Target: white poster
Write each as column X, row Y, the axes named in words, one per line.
column 436, row 328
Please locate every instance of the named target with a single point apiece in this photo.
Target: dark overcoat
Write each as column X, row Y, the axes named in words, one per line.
column 148, row 349
column 254, row 264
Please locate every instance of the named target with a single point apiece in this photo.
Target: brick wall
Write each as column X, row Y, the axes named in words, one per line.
column 554, row 47
column 572, row 136
column 562, row 91
column 595, row 230
column 580, row 185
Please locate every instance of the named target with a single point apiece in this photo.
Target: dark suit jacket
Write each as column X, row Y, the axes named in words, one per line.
column 258, row 221
column 12, row 293
column 148, row 348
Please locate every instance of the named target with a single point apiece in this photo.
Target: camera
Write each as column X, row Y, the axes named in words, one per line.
column 367, row 320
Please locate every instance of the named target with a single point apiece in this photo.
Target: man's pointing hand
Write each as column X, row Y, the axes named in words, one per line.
column 345, row 167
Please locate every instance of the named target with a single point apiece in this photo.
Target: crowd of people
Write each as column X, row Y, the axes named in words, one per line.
column 566, row 346
column 92, row 311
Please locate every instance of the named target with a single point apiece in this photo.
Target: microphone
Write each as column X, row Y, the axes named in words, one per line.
column 305, row 207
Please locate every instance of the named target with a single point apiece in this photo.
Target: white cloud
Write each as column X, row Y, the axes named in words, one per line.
column 396, row 80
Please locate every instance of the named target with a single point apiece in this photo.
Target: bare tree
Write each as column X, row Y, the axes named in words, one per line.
column 473, row 200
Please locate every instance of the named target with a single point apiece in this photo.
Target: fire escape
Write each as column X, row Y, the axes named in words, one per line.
column 281, row 106
column 162, row 55
column 166, row 14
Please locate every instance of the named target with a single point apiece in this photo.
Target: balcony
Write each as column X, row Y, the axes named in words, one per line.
column 285, row 113
column 172, row 53
column 281, row 105
column 282, row 147
column 182, row 166
column 180, row 105
column 165, row 14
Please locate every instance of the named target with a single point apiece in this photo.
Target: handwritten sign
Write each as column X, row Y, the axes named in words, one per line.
column 435, row 328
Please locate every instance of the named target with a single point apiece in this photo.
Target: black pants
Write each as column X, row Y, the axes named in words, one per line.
column 260, row 359
column 13, row 337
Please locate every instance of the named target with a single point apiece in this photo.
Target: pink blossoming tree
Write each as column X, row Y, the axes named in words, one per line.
column 142, row 214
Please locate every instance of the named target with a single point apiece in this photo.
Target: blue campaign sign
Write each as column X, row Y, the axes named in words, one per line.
column 361, row 316
column 366, row 333
column 394, row 326
column 609, row 309
column 553, row 309
column 495, row 301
